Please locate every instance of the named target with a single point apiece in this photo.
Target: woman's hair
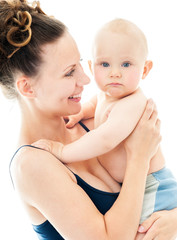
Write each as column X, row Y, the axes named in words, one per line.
column 24, row 29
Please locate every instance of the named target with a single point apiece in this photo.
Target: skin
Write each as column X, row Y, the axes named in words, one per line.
column 43, row 104
column 118, row 66
column 120, row 61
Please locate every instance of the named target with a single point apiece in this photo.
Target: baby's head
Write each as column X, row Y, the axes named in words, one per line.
column 120, row 58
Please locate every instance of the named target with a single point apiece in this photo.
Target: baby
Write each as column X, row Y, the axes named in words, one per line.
column 119, row 63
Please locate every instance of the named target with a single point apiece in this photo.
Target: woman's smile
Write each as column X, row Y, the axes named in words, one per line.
column 75, row 98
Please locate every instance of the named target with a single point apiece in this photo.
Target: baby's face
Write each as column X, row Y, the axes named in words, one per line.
column 118, row 63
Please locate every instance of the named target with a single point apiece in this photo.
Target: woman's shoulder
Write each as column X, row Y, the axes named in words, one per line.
column 26, row 156
column 34, row 164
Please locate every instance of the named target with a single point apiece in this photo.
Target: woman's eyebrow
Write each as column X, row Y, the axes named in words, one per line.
column 70, row 66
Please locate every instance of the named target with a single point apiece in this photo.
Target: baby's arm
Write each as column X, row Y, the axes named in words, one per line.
column 120, row 123
column 87, row 111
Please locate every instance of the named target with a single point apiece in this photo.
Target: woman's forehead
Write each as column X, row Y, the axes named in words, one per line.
column 63, row 52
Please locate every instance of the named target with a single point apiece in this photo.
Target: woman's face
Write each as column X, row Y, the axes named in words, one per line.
column 60, row 81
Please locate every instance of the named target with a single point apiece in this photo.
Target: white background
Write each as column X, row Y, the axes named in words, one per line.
column 158, row 20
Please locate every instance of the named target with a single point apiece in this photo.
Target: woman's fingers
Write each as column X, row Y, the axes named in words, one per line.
column 148, row 111
column 151, row 115
column 161, row 226
column 140, row 236
column 148, row 223
column 149, row 227
column 154, row 116
column 149, row 235
column 158, row 124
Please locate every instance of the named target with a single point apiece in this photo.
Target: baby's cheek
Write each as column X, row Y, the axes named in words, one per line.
column 134, row 80
column 98, row 77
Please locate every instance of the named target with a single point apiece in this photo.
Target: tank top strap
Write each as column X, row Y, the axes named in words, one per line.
column 84, row 127
column 26, row 145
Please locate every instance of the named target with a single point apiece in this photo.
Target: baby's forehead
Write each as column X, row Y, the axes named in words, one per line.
column 121, row 27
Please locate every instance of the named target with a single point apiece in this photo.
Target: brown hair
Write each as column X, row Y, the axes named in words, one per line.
column 24, row 29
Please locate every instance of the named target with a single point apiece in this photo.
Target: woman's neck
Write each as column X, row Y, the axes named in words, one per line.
column 35, row 127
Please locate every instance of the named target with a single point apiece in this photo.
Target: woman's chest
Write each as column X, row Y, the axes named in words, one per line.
column 95, row 176
column 91, row 171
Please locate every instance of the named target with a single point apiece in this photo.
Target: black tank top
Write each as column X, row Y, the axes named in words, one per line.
column 102, row 200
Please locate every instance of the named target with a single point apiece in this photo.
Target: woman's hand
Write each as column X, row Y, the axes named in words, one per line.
column 145, row 138
column 160, row 226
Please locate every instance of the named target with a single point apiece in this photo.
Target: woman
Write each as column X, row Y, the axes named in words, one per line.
column 40, row 65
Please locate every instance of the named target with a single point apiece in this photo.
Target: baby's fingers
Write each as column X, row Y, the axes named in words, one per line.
column 70, row 123
column 73, row 120
column 42, row 143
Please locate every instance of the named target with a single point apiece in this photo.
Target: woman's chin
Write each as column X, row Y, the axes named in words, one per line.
column 75, row 108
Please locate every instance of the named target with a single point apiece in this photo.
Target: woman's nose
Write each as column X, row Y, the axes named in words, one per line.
column 86, row 79
column 83, row 79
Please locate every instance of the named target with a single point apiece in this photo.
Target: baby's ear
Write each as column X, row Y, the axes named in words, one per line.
column 147, row 67
column 90, row 66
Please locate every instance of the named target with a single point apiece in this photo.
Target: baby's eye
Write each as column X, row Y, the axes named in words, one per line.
column 126, row 64
column 70, row 73
column 105, row 64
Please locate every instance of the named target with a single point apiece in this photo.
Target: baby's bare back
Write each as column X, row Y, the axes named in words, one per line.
column 115, row 162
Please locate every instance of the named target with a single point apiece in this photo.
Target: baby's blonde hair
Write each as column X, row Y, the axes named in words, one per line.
column 120, row 25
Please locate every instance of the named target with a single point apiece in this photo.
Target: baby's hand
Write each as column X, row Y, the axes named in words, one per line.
column 73, row 119
column 44, row 144
column 53, row 147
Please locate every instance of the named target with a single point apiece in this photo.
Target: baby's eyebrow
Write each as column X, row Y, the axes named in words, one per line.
column 127, row 57
column 102, row 58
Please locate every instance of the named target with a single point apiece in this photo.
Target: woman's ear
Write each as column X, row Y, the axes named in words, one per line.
column 147, row 67
column 90, row 66
column 24, row 87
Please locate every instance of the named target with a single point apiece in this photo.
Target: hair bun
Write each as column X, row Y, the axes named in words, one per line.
column 20, row 33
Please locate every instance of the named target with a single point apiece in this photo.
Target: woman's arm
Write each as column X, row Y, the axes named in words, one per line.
column 46, row 184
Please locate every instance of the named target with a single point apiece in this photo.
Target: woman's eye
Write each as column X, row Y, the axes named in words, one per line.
column 105, row 64
column 69, row 74
column 126, row 64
